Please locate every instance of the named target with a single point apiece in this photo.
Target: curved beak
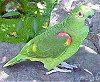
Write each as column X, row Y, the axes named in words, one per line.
column 88, row 21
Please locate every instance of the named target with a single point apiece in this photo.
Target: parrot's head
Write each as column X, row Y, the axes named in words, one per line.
column 83, row 12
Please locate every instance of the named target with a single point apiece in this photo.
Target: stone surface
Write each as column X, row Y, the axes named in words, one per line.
column 96, row 23
column 89, row 44
column 34, row 71
column 57, row 15
column 95, row 38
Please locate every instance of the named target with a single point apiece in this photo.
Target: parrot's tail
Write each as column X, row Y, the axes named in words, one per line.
column 14, row 60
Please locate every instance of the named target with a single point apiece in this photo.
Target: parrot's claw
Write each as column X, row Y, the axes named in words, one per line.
column 68, row 66
column 56, row 69
column 63, row 67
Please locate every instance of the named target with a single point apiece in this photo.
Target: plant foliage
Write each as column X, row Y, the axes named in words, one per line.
column 22, row 20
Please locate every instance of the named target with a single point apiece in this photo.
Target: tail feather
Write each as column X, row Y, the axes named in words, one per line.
column 14, row 60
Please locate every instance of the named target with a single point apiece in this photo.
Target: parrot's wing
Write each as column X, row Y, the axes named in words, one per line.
column 50, row 62
column 45, row 45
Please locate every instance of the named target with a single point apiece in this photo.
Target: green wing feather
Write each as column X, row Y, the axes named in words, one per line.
column 48, row 44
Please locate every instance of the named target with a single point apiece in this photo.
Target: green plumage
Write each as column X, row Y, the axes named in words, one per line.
column 48, row 48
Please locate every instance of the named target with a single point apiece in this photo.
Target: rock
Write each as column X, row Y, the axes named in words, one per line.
column 89, row 44
column 87, row 59
column 57, row 15
column 95, row 38
column 96, row 23
column 34, row 71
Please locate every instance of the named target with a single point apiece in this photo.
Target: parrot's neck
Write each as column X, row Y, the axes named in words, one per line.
column 75, row 22
column 75, row 27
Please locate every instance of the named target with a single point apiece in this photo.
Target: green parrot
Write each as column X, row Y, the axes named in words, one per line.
column 58, row 42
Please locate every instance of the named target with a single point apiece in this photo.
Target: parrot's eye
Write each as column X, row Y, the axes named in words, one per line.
column 80, row 14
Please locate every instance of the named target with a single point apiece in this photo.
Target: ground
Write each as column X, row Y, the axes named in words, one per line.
column 86, row 58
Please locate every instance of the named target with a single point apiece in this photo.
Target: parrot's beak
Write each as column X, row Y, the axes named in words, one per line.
column 88, row 21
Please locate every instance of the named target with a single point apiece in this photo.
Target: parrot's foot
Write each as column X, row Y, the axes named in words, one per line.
column 72, row 67
column 68, row 66
column 56, row 69
column 63, row 67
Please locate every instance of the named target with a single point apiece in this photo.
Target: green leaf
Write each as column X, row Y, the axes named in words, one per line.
column 12, row 13
column 34, row 25
column 19, row 24
column 29, row 25
column 2, row 0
